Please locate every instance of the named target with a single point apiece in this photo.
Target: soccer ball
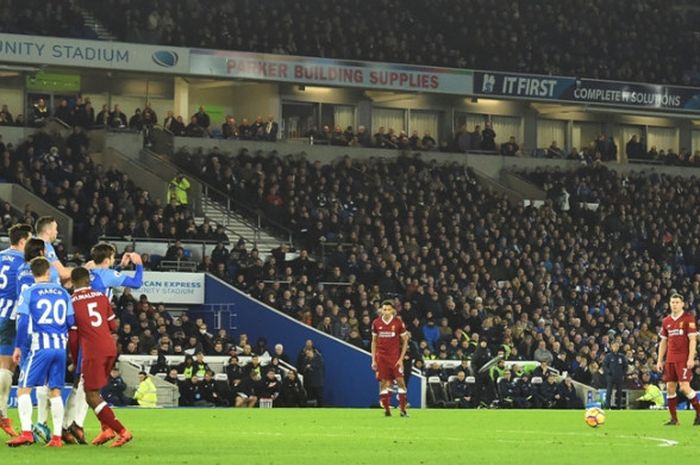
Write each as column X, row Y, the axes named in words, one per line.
column 594, row 417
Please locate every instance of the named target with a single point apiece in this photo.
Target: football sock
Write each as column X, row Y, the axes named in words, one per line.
column 107, row 418
column 81, row 406
column 693, row 398
column 384, row 399
column 672, row 404
column 5, row 385
column 70, row 410
column 402, row 400
column 57, row 414
column 42, row 404
column 24, row 406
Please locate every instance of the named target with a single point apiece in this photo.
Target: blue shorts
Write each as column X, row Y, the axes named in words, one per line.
column 44, row 367
column 8, row 331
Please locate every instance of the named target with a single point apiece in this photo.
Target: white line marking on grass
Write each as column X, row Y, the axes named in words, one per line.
column 663, row 442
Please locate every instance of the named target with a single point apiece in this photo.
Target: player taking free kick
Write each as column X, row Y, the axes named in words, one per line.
column 94, row 323
column 679, row 345
column 389, row 346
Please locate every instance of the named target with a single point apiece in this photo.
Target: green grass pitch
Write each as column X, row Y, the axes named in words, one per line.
column 365, row 436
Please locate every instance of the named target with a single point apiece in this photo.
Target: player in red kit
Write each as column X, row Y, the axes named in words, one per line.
column 94, row 323
column 679, row 346
column 389, row 346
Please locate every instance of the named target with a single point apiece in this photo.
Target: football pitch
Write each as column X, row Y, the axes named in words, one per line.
column 365, row 436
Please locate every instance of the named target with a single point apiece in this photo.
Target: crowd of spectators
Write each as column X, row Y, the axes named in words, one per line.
column 253, row 370
column 60, row 18
column 465, row 265
column 102, row 200
column 636, row 150
column 529, row 37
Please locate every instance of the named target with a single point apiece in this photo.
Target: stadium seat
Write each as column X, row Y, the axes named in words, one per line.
column 470, row 380
column 160, row 375
column 536, row 380
column 221, row 377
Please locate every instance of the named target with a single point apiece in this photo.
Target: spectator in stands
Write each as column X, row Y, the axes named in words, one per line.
column 510, row 148
column 271, row 129
column 201, row 119
column 117, row 118
column 488, row 138
column 170, row 122
column 476, row 138
column 634, row 149
column 63, row 112
column 136, row 121
column 6, row 117
column 292, row 392
column 229, row 130
column 146, row 394
column 542, row 354
column 40, row 112
column 113, row 393
column 194, row 129
column 427, row 142
column 553, row 151
column 363, row 137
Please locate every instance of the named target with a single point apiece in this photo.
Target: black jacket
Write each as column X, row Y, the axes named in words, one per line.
column 615, row 365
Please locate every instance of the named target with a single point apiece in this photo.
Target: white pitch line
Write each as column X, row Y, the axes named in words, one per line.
column 663, row 442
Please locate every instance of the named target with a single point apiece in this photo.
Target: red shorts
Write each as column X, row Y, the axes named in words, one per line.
column 96, row 372
column 387, row 369
column 677, row 371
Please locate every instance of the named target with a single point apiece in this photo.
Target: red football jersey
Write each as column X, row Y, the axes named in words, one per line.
column 388, row 336
column 93, row 312
column 676, row 332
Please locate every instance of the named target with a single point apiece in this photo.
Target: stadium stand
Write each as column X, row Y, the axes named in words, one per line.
column 466, row 265
column 541, row 37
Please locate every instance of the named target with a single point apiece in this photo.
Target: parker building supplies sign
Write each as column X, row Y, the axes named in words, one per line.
column 172, row 288
column 587, row 91
column 328, row 72
column 38, row 50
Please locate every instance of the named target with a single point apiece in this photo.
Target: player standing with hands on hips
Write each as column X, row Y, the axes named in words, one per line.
column 679, row 346
column 389, row 346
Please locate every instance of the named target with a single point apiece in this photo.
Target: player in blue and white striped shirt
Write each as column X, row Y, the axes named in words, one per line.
column 44, row 312
column 37, row 248
column 10, row 262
